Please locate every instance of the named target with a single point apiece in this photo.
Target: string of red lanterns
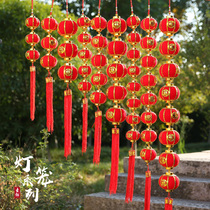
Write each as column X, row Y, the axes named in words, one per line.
column 32, row 55
column 133, row 103
column 169, row 115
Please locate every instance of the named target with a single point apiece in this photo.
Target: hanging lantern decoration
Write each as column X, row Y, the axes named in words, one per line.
column 169, row 115
column 133, row 103
column 48, row 61
column 98, row 79
column 116, row 115
column 85, row 54
column 148, row 99
column 32, row 55
column 68, row 73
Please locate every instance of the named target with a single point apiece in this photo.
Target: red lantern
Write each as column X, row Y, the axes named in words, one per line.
column 169, row 93
column 133, row 103
column 148, row 154
column 149, row 24
column 99, row 41
column 116, row 93
column 32, row 39
column 148, row 136
column 148, row 117
column 133, row 38
column 67, row 73
column 134, row 71
column 169, row 115
column 169, row 138
column 67, row 28
column 148, row 80
column 116, row 71
column 116, row 115
column 99, row 79
column 148, row 43
column 169, row 182
column 149, row 62
column 98, row 98
column 83, row 22
column 133, row 87
column 169, row 25
column 85, row 54
column 84, row 38
column 116, row 26
column 117, row 48
column 169, row 70
column 84, row 70
column 49, row 43
column 133, row 135
column 84, row 86
column 49, row 24
column 48, row 61
column 67, row 51
column 148, row 99
column 133, row 21
column 99, row 60
column 133, row 119
column 98, row 23
column 169, row 160
column 133, row 54
column 32, row 22
column 169, row 48
column 32, row 55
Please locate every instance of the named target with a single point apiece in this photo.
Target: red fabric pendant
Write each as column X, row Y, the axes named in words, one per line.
column 130, row 179
column 168, row 203
column 147, row 192
column 32, row 91
column 49, row 103
column 97, row 137
column 114, row 160
column 85, row 124
column 67, row 121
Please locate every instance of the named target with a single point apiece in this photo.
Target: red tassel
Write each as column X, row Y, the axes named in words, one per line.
column 85, row 124
column 147, row 194
column 32, row 91
column 130, row 179
column 49, row 103
column 114, row 161
column 97, row 137
column 67, row 121
column 168, row 203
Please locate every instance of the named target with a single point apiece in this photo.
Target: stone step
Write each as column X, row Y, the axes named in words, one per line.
column 103, row 201
column 191, row 165
column 190, row 188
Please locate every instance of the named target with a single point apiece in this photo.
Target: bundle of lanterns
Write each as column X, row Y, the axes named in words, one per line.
column 32, row 55
column 169, row 115
column 133, row 103
column 48, row 61
column 85, row 54
column 68, row 73
column 98, row 79
column 116, row 92
column 148, row 99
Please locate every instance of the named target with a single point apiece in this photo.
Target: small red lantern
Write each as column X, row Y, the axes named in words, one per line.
column 169, row 70
column 148, row 136
column 84, row 38
column 32, row 55
column 149, row 24
column 116, row 26
column 134, row 71
column 133, row 135
column 169, row 160
column 169, row 182
column 84, row 54
column 68, row 73
column 148, row 43
column 98, row 98
column 99, row 79
column 148, row 154
column 32, row 22
column 67, row 51
column 48, row 62
column 116, row 93
column 133, row 54
column 67, row 28
column 32, row 39
column 169, row 115
column 169, row 48
column 84, row 70
column 49, row 24
column 133, row 38
column 169, row 93
column 99, row 61
column 98, row 23
column 133, row 87
column 133, row 21
column 49, row 43
column 133, row 103
column 116, row 71
column 169, row 138
column 117, row 48
column 133, row 119
column 148, row 117
column 83, row 22
column 116, row 115
column 149, row 62
column 169, row 26
column 148, row 80
column 99, row 41
column 84, row 86
column 148, row 99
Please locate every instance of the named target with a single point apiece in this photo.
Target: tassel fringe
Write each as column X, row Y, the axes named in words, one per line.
column 85, row 124
column 147, row 194
column 32, row 91
column 168, row 203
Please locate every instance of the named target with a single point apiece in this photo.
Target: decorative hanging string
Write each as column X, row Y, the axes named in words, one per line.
column 148, row 7
column 82, row 7
column 32, row 7
column 131, row 3
column 116, row 11
column 99, row 7
column 169, row 7
column 67, row 8
column 51, row 11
